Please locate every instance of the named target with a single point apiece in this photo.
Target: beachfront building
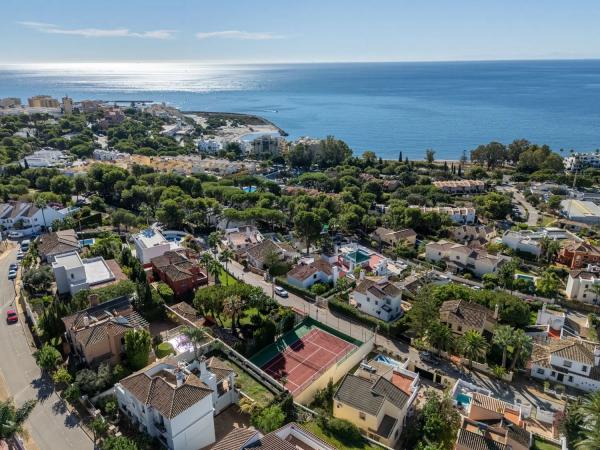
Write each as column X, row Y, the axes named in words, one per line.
column 379, row 298
column 460, row 186
column 10, row 102
column 458, row 215
column 267, row 146
column 570, row 361
column 176, row 402
column 95, row 334
column 74, row 274
column 579, row 161
column 460, row 258
column 42, row 101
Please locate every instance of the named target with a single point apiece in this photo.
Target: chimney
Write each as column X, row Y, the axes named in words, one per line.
column 362, row 275
column 336, row 274
column 496, row 311
column 93, row 299
column 179, row 376
column 597, row 355
column 86, row 321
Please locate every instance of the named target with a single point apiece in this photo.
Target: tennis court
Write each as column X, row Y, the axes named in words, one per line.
column 304, row 359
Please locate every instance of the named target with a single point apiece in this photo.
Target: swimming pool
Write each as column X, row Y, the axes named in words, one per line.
column 522, row 276
column 86, row 242
column 463, row 399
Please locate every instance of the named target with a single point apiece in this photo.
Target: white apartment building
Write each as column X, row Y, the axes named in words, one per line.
column 579, row 286
column 108, row 155
column 378, row 298
column 579, row 161
column 26, row 218
column 529, row 241
column 150, row 243
column 74, row 274
column 460, row 216
column 570, row 361
column 176, row 402
column 210, row 146
column 459, row 257
column 46, row 157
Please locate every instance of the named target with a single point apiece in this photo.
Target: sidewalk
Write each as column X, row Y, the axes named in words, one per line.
column 28, row 442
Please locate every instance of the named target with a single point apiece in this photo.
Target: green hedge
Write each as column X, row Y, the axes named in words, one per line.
column 395, row 328
column 296, row 290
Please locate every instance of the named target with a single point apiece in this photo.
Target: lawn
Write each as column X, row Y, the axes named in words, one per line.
column 226, row 279
column 244, row 319
column 540, row 444
column 250, row 386
column 314, row 428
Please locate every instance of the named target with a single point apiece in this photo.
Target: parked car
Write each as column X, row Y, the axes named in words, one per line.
column 11, row 316
column 12, row 274
column 13, row 266
column 20, row 255
column 15, row 235
column 25, row 245
column 281, row 292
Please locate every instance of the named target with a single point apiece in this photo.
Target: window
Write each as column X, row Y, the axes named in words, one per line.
column 72, row 276
column 567, row 364
column 459, row 328
column 584, row 368
column 570, row 379
column 541, row 371
column 362, row 416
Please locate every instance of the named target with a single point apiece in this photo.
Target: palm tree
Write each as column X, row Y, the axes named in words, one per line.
column 196, row 336
column 591, row 440
column 247, row 406
column 213, row 239
column 232, row 308
column 12, row 418
column 226, row 256
column 440, row 337
column 522, row 345
column 40, row 203
column 146, row 212
column 591, row 406
column 214, row 268
column 474, row 346
column 503, row 337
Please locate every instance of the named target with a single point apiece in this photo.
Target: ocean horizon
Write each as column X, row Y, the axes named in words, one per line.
column 388, row 108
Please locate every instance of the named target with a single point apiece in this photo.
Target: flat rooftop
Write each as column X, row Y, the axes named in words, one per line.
column 150, row 238
column 97, row 271
column 68, row 261
column 579, row 208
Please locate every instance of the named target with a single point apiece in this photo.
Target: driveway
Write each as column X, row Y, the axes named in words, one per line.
column 50, row 424
column 532, row 213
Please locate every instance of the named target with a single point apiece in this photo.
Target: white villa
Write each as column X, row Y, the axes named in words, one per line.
column 570, row 361
column 150, row 243
column 74, row 274
column 26, row 218
column 176, row 402
column 379, row 298
column 459, row 257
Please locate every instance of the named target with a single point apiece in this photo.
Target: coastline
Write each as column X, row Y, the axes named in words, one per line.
column 260, row 119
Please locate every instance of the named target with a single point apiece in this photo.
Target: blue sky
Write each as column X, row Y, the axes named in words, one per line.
column 297, row 31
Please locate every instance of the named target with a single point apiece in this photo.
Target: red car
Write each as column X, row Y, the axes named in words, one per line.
column 11, row 316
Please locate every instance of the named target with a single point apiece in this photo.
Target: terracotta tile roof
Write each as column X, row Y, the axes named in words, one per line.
column 161, row 392
column 471, row 314
column 490, row 403
column 59, row 242
column 219, row 368
column 368, row 396
column 236, row 439
column 475, row 441
column 116, row 306
column 262, row 249
column 303, row 271
column 175, row 266
column 116, row 326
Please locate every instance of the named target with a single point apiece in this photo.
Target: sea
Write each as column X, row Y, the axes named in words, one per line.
column 388, row 108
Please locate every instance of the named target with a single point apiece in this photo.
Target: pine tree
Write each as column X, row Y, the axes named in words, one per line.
column 400, row 157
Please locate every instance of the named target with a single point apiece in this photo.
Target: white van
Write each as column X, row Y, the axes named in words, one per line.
column 25, row 245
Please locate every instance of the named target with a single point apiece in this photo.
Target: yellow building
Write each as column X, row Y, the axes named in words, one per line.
column 43, row 101
column 378, row 406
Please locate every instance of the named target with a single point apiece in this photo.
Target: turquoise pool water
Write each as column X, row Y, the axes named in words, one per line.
column 522, row 276
column 86, row 242
column 463, row 399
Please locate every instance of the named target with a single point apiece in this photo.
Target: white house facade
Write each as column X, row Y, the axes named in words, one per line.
column 380, row 299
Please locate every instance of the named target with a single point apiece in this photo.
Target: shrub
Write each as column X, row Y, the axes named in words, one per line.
column 165, row 292
column 164, row 349
column 342, row 430
column 72, row 393
column 318, row 288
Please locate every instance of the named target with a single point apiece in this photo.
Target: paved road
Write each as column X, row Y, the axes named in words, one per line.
column 50, row 425
column 516, row 392
column 532, row 213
